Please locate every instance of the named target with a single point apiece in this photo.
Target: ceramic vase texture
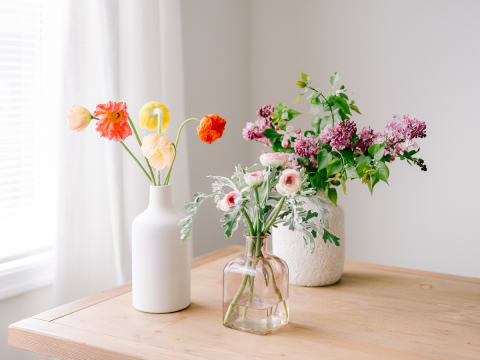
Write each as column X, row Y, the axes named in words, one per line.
column 160, row 260
column 323, row 266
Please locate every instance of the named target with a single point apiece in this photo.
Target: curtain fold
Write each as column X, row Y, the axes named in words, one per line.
column 119, row 50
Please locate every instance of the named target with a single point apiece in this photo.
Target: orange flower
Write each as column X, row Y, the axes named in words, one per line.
column 211, row 128
column 113, row 120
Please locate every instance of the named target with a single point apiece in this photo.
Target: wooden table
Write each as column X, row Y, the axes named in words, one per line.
column 375, row 312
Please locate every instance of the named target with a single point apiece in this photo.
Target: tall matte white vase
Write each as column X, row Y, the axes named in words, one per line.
column 160, row 261
column 323, row 266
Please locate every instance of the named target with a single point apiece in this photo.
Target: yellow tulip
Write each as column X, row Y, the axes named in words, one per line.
column 149, row 114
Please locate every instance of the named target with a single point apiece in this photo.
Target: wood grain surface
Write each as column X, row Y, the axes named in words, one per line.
column 374, row 312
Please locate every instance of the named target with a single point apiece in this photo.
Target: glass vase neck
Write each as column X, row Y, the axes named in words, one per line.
column 255, row 246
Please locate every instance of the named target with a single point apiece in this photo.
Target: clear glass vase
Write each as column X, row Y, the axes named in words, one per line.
column 255, row 290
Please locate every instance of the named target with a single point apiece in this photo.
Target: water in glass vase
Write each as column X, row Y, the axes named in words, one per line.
column 255, row 290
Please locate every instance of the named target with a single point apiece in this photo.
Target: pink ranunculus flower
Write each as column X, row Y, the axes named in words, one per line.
column 274, row 159
column 289, row 183
column 255, row 178
column 78, row 117
column 228, row 201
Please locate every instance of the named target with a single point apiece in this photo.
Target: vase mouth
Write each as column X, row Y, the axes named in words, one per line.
column 250, row 237
column 160, row 186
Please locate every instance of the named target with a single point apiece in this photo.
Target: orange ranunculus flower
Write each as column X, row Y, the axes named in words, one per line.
column 211, row 128
column 113, row 120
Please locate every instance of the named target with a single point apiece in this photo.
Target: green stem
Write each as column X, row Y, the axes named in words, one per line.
column 251, row 283
column 249, row 221
column 325, row 99
column 277, row 290
column 274, row 215
column 167, row 178
column 236, row 298
column 140, row 144
column 135, row 158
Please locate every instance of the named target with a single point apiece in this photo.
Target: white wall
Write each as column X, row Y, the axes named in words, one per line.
column 216, row 48
column 418, row 57
column 17, row 308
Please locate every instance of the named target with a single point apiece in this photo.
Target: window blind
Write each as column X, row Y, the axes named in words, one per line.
column 20, row 74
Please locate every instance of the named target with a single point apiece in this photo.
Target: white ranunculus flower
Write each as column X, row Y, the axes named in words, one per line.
column 289, row 183
column 254, row 178
column 277, row 159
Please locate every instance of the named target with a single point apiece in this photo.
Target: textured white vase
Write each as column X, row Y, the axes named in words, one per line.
column 160, row 261
column 323, row 266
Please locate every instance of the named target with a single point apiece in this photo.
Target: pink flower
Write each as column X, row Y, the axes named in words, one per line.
column 278, row 159
column 367, row 138
column 342, row 135
column 255, row 178
column 113, row 120
column 289, row 183
column 78, row 117
column 414, row 128
column 228, row 201
column 307, row 146
column 326, row 134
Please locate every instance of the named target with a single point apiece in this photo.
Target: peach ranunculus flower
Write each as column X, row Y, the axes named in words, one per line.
column 149, row 116
column 78, row 117
column 113, row 120
column 159, row 150
column 211, row 128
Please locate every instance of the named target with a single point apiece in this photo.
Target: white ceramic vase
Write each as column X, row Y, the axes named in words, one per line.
column 323, row 266
column 160, row 260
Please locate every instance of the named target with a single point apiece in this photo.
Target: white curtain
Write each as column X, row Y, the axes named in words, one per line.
column 121, row 50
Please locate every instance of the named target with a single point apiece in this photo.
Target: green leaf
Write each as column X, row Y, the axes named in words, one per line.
column 344, row 187
column 377, row 151
column 299, row 96
column 323, row 158
column 271, row 134
column 304, row 76
column 351, row 172
column 292, row 113
column 372, row 181
column 342, row 104
column 361, row 167
column 355, row 108
column 334, row 78
column 332, row 195
column 316, row 124
column 348, row 156
column 382, row 171
column 329, row 237
column 334, row 166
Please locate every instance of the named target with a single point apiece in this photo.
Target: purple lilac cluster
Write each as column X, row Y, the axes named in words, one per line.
column 367, row 137
column 307, row 146
column 340, row 136
column 254, row 131
column 400, row 134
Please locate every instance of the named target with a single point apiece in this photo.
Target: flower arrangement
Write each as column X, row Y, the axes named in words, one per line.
column 263, row 196
column 114, row 123
column 333, row 151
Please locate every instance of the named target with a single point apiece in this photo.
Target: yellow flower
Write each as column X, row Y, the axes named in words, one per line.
column 158, row 149
column 149, row 114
